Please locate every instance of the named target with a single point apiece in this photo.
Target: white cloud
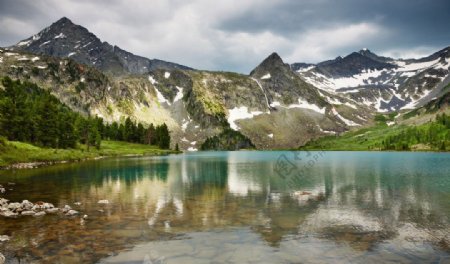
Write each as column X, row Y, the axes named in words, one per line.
column 321, row 44
column 9, row 26
column 411, row 53
column 192, row 32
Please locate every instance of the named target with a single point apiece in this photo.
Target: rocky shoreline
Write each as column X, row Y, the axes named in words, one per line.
column 26, row 209
column 38, row 164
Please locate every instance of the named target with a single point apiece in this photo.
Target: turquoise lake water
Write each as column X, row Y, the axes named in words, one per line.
column 237, row 207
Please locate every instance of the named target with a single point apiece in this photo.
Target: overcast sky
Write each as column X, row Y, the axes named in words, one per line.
column 236, row 35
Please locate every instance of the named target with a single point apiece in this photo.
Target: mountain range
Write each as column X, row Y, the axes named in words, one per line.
column 66, row 39
column 277, row 105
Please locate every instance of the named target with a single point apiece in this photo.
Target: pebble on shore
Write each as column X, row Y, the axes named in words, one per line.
column 2, row 259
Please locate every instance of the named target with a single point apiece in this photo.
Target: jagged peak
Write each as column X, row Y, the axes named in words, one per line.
column 274, row 57
column 272, row 61
column 63, row 22
column 365, row 52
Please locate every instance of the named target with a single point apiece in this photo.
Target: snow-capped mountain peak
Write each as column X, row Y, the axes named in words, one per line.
column 380, row 82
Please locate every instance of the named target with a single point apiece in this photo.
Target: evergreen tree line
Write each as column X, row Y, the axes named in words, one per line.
column 137, row 133
column 435, row 134
column 31, row 114
column 227, row 140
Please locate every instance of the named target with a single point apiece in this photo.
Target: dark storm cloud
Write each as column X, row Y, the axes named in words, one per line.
column 236, row 35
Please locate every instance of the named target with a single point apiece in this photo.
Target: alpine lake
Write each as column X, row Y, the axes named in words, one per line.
column 236, row 207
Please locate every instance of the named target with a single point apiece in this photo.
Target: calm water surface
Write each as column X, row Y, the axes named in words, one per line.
column 237, row 207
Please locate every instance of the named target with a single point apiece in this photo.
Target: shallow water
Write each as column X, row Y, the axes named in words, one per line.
column 237, row 207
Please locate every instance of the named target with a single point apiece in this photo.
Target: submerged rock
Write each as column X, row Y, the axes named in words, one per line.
column 2, row 259
column 103, row 202
column 4, row 238
column 71, row 212
column 66, row 208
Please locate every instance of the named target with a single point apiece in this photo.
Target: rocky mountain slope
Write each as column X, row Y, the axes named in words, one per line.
column 276, row 106
column 66, row 39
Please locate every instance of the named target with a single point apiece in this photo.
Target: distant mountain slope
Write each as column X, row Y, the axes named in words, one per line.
column 382, row 83
column 66, row 39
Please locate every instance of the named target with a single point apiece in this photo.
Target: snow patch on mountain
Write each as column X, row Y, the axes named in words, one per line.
column 45, row 43
column 238, row 113
column 378, row 105
column 152, row 80
column 413, row 103
column 23, row 43
column 306, row 69
column 275, row 104
column 356, row 80
column 179, row 95
column 161, row 97
column 267, row 76
column 60, row 35
column 304, row 104
column 418, row 65
column 167, row 75
column 345, row 120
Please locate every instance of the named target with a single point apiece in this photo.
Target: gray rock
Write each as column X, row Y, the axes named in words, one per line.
column 27, row 205
column 14, row 206
column 41, row 213
column 52, row 210
column 47, row 206
column 3, row 202
column 9, row 214
column 71, row 213
column 66, row 208
column 28, row 213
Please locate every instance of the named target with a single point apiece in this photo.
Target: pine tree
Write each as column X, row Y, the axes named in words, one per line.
column 150, row 136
